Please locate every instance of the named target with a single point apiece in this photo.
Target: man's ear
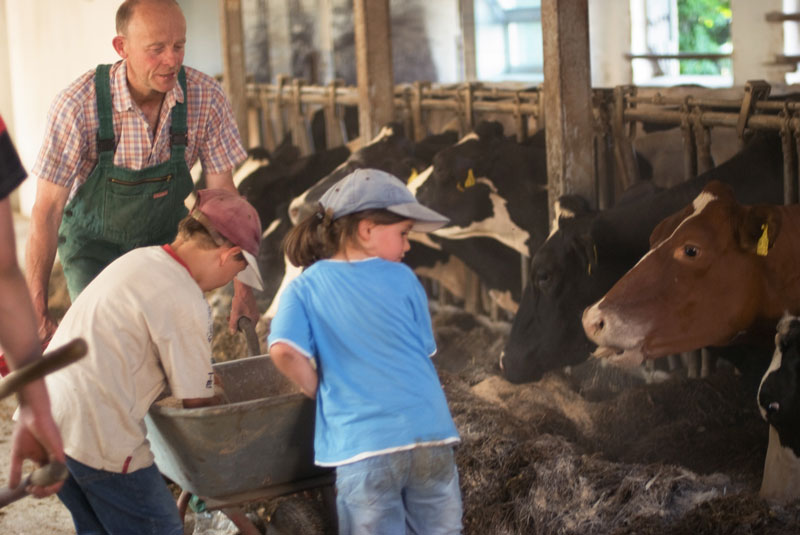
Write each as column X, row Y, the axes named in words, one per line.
column 118, row 43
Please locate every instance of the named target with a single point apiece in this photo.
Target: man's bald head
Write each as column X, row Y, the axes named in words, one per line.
column 126, row 9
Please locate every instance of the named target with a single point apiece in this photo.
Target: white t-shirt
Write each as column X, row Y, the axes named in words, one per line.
column 148, row 326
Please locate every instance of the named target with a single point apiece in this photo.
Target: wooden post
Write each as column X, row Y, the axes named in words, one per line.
column 280, row 40
column 568, row 100
column 374, row 66
column 325, row 41
column 233, row 62
column 467, row 11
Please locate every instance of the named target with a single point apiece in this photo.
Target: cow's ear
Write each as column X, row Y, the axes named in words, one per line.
column 668, row 225
column 758, row 229
column 587, row 250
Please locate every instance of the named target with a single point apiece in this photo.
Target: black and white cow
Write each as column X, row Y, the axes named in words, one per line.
column 390, row 151
column 589, row 251
column 779, row 403
column 269, row 181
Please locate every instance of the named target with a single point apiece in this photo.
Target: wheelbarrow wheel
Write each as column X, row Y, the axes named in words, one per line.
column 296, row 516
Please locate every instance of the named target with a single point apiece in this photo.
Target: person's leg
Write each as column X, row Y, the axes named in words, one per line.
column 72, row 496
column 138, row 503
column 368, row 495
column 432, row 496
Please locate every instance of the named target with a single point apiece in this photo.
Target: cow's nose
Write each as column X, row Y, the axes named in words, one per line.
column 593, row 321
column 773, row 407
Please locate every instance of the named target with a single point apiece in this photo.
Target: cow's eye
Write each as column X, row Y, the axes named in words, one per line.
column 541, row 279
column 690, row 251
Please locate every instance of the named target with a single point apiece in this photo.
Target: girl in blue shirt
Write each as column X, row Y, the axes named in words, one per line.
column 354, row 332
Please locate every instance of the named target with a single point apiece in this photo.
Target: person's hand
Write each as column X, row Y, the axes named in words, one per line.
column 36, row 437
column 47, row 327
column 243, row 304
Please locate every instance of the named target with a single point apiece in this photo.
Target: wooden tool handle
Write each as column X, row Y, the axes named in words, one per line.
column 50, row 362
column 45, row 476
column 245, row 325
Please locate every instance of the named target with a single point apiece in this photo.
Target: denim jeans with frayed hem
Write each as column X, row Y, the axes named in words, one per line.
column 407, row 492
column 101, row 502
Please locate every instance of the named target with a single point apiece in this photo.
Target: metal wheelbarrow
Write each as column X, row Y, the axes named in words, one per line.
column 257, row 447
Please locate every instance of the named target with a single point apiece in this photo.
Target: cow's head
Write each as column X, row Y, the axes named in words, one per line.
column 778, row 394
column 491, row 186
column 566, row 273
column 701, row 284
column 779, row 404
column 389, row 151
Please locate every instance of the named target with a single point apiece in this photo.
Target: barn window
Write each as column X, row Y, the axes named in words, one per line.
column 508, row 39
column 681, row 41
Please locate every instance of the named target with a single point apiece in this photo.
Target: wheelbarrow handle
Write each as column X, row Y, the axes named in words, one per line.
column 45, row 476
column 50, row 362
column 245, row 325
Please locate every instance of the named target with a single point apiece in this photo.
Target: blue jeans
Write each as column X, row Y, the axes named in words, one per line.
column 407, row 492
column 138, row 503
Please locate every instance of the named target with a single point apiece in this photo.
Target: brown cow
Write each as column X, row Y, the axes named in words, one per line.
column 717, row 273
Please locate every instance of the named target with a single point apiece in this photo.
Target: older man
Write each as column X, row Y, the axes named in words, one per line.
column 113, row 171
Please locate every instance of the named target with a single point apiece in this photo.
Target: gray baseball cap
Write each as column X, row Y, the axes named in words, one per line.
column 370, row 189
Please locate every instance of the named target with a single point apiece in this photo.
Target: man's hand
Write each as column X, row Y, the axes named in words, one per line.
column 244, row 304
column 36, row 437
column 47, row 328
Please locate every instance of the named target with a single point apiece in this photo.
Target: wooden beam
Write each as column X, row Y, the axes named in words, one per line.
column 373, row 66
column 233, row 62
column 568, row 100
column 467, row 10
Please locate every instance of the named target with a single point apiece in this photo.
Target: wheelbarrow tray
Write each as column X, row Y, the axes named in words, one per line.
column 263, row 438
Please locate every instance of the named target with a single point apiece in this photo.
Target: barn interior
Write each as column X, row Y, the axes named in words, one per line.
column 586, row 448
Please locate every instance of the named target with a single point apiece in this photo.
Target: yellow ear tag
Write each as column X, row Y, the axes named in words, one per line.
column 413, row 176
column 763, row 242
column 470, row 181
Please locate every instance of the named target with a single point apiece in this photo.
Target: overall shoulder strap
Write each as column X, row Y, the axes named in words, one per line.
column 178, row 131
column 105, row 133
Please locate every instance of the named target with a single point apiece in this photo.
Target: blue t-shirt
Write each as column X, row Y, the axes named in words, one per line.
column 367, row 325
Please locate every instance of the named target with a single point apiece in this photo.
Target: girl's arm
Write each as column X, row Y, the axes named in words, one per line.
column 296, row 367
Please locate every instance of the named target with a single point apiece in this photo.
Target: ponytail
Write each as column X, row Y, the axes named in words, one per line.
column 320, row 236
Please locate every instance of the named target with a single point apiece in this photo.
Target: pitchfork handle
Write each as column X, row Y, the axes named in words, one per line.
column 45, row 476
column 245, row 325
column 50, row 362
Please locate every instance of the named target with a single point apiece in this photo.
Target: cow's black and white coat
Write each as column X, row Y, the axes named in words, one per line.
column 779, row 403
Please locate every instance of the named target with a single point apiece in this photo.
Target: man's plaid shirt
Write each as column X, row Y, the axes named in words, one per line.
column 69, row 152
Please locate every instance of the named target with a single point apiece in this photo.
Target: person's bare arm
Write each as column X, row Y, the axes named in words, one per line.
column 244, row 302
column 40, row 252
column 221, row 180
column 36, row 435
column 296, row 367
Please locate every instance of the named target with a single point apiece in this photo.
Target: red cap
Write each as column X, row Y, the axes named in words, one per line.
column 231, row 216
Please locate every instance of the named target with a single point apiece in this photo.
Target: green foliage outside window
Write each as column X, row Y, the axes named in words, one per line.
column 704, row 26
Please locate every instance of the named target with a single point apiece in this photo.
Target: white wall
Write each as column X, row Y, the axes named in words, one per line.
column 609, row 42
column 444, row 32
column 49, row 45
column 203, row 35
column 756, row 42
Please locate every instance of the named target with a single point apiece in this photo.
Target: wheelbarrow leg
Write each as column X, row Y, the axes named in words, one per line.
column 240, row 520
column 183, row 503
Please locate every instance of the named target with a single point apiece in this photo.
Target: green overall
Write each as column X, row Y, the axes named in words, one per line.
column 119, row 209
